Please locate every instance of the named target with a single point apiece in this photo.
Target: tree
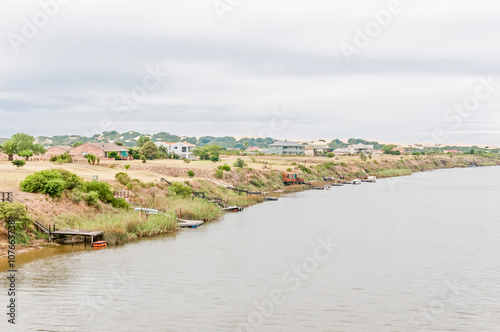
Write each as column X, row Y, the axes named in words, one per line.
column 91, row 158
column 77, row 144
column 142, row 140
column 114, row 155
column 388, row 148
column 38, row 149
column 9, row 148
column 239, row 163
column 26, row 154
column 202, row 153
column 362, row 156
column 19, row 163
column 23, row 141
column 149, row 150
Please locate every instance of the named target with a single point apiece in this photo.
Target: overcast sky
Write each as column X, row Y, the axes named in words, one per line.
column 287, row 69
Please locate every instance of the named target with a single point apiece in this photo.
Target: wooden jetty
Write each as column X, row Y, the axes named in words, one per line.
column 75, row 232
column 189, row 223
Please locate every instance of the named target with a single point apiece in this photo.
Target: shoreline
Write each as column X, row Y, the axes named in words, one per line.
column 40, row 244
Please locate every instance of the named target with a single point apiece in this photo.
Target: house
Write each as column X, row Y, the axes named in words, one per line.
column 309, row 151
column 319, row 147
column 354, row 149
column 254, row 149
column 341, row 151
column 286, row 147
column 55, row 150
column 182, row 149
column 361, row 148
column 100, row 150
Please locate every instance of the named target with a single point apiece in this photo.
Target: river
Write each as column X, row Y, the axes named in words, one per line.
column 415, row 253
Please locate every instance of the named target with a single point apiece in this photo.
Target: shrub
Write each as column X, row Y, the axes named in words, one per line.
column 136, row 156
column 178, row 189
column 15, row 216
column 239, row 163
column 219, row 174
column 214, row 158
column 330, row 155
column 225, row 167
column 127, row 166
column 305, row 169
column 187, row 161
column 61, row 158
column 143, row 158
column 114, row 155
column 123, row 178
column 102, row 188
column 53, row 182
column 19, row 163
column 91, row 158
column 120, row 203
column 190, row 174
column 257, row 182
column 54, row 187
column 91, row 198
column 288, row 169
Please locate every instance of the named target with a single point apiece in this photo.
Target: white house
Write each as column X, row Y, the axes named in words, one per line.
column 354, row 149
column 182, row 149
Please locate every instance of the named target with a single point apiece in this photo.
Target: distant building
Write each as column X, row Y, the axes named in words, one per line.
column 253, row 149
column 355, row 149
column 286, row 147
column 55, row 150
column 182, row 149
column 100, row 150
column 453, row 151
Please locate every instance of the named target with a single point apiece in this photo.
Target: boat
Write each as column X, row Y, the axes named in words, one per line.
column 147, row 211
column 317, row 188
column 99, row 244
column 371, row 179
column 233, row 209
column 356, row 181
column 267, row 198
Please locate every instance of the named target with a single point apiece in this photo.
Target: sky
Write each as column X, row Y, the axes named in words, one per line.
column 394, row 71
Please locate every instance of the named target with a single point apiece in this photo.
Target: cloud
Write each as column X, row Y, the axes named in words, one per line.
column 226, row 77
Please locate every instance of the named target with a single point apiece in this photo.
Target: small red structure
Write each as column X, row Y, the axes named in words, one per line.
column 292, row 178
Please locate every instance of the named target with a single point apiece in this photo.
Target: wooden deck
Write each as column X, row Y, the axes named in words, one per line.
column 75, row 232
column 190, row 223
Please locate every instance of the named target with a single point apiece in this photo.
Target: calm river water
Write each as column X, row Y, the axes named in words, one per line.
column 417, row 253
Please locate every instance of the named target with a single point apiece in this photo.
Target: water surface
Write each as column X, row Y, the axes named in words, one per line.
column 417, row 253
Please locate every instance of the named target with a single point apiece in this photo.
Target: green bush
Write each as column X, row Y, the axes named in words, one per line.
column 127, row 166
column 123, row 178
column 214, row 158
column 143, row 158
column 120, row 203
column 54, row 187
column 53, row 182
column 239, row 163
column 19, row 163
column 305, row 169
column 61, row 158
column 114, row 155
column 15, row 216
column 190, row 174
column 178, row 189
column 219, row 174
column 225, row 167
column 102, row 188
column 91, row 198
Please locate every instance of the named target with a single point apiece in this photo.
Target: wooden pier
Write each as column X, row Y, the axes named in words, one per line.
column 189, row 223
column 92, row 235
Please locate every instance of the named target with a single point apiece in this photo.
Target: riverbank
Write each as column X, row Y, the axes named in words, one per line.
column 121, row 226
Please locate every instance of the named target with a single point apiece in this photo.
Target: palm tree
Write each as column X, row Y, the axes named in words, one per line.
column 9, row 148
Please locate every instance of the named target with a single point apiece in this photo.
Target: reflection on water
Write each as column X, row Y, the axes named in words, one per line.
column 419, row 254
